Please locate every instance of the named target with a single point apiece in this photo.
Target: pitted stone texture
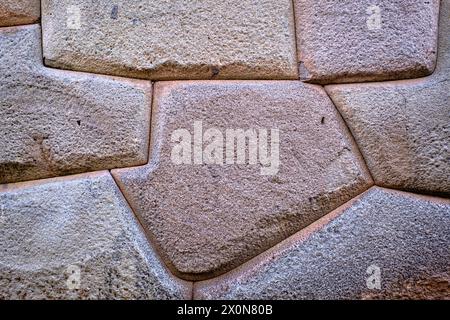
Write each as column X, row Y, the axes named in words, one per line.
column 208, row 219
column 403, row 127
column 16, row 12
column 336, row 45
column 178, row 39
column 55, row 123
column 406, row 236
column 76, row 238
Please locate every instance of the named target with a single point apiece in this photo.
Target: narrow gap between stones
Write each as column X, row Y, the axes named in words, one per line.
column 351, row 135
column 295, row 39
column 321, row 222
column 152, row 243
column 293, row 234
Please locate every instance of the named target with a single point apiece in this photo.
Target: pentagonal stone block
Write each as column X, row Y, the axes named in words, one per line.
column 76, row 238
column 16, row 12
column 55, row 123
column 383, row 245
column 207, row 210
column 403, row 127
column 357, row 41
column 178, row 39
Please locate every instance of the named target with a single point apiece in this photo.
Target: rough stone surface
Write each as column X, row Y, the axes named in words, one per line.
column 403, row 127
column 16, row 12
column 55, row 123
column 207, row 219
column 53, row 229
column 178, row 39
column 405, row 235
column 336, row 45
column 313, row 226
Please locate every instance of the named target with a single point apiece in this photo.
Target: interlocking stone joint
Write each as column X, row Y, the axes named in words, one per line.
column 55, row 123
column 207, row 219
column 402, row 127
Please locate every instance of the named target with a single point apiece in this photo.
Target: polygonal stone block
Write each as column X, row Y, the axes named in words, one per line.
column 209, row 211
column 76, row 238
column 382, row 245
column 178, row 39
column 403, row 127
column 357, row 41
column 56, row 123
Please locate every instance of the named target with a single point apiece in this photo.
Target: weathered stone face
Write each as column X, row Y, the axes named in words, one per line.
column 230, row 39
column 209, row 218
column 401, row 237
column 56, row 123
column 239, row 176
column 357, row 41
column 403, row 127
column 17, row 12
column 76, row 238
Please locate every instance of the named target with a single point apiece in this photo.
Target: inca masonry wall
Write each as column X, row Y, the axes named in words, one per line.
column 233, row 149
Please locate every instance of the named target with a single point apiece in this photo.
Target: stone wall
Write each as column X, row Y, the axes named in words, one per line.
column 227, row 149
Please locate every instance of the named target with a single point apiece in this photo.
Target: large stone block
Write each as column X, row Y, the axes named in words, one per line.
column 357, row 41
column 403, row 127
column 55, row 123
column 178, row 39
column 383, row 245
column 76, row 238
column 208, row 217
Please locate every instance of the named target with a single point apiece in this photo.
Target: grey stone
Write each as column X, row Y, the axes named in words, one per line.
column 56, row 123
column 209, row 218
column 16, row 12
column 403, row 127
column 178, row 39
column 406, row 236
column 76, row 238
column 339, row 41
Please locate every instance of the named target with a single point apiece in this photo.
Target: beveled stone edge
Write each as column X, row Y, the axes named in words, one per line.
column 19, row 186
column 245, row 270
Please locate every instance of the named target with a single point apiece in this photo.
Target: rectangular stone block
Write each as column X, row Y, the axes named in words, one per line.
column 357, row 41
column 56, row 122
column 178, row 39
